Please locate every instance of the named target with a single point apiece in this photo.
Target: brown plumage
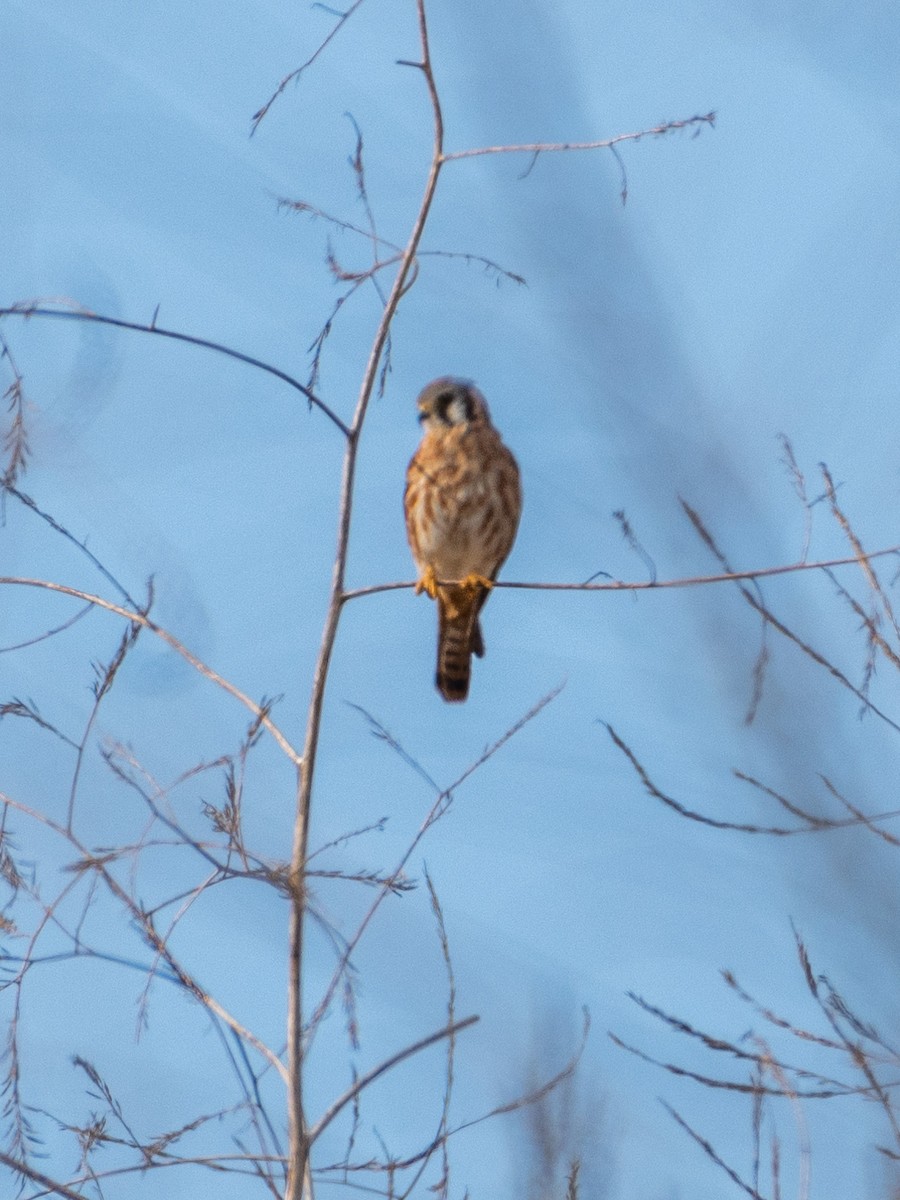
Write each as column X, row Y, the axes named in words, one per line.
column 462, row 502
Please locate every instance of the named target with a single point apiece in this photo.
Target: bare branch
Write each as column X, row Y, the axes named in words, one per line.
column 798, row 481
column 449, row 1031
column 437, row 810
column 37, row 308
column 48, row 633
column 170, row 640
column 714, row 823
column 295, row 75
column 640, row 585
column 150, row 934
column 492, row 267
column 57, row 527
column 53, row 1186
column 299, row 1169
column 604, row 144
column 707, row 1148
column 861, row 556
column 731, row 1085
column 15, row 437
column 105, row 678
column 544, row 1089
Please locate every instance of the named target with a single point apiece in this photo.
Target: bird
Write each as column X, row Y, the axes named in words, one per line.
column 463, row 501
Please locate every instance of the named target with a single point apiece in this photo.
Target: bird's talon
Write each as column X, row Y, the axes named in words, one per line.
column 428, row 583
column 475, row 581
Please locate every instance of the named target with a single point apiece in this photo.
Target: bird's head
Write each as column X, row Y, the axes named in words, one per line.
column 450, row 401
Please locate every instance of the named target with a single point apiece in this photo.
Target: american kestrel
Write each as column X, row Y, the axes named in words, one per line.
column 462, row 501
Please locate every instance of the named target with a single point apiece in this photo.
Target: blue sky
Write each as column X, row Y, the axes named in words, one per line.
column 747, row 289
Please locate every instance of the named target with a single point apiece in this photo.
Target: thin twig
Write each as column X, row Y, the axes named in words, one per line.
column 861, row 556
column 48, row 633
column 302, row 206
column 294, row 75
column 707, row 1148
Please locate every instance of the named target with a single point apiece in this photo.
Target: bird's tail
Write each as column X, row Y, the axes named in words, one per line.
column 459, row 637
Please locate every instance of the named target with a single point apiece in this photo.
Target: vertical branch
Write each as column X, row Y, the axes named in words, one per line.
column 299, row 1185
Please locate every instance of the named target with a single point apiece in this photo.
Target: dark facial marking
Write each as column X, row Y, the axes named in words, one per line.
column 442, row 403
column 454, row 406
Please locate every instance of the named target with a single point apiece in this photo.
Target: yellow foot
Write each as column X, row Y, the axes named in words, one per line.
column 474, row 581
column 428, row 583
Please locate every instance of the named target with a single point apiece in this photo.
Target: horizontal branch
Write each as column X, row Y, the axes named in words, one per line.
column 620, row 585
column 36, row 309
column 605, row 144
column 139, row 618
